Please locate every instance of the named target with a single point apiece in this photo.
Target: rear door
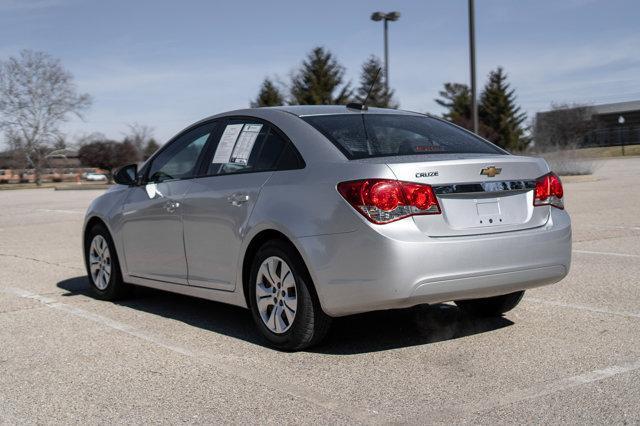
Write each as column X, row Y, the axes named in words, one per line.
column 218, row 205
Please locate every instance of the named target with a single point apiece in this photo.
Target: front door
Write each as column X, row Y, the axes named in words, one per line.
column 152, row 231
column 152, row 214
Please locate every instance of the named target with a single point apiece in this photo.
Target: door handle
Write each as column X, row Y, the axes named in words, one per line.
column 238, row 199
column 171, row 206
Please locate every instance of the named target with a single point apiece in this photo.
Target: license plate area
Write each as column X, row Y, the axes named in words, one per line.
column 488, row 208
column 473, row 211
column 482, row 213
column 488, row 212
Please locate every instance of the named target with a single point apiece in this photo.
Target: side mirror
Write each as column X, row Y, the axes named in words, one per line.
column 126, row 175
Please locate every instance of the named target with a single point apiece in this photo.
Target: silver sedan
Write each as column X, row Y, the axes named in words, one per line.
column 305, row 213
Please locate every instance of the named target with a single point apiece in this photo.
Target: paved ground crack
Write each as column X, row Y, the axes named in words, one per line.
column 29, row 308
column 33, row 259
column 584, row 307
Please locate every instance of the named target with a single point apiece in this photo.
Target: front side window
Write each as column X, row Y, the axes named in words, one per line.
column 246, row 146
column 179, row 160
column 378, row 135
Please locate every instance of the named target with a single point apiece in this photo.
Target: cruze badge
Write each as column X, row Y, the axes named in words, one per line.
column 490, row 171
column 426, row 174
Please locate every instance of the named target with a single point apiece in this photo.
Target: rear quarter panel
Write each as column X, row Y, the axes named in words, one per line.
column 306, row 202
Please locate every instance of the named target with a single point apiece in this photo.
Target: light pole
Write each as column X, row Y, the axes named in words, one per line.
column 621, row 123
column 386, row 17
column 472, row 64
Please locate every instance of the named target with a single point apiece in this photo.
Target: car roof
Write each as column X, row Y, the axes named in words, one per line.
column 308, row 142
column 306, row 110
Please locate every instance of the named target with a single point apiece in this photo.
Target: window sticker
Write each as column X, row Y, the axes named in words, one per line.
column 152, row 190
column 226, row 144
column 245, row 143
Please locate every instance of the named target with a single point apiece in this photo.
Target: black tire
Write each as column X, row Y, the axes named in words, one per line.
column 116, row 289
column 491, row 306
column 310, row 324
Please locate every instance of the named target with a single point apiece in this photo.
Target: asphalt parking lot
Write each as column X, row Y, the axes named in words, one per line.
column 570, row 353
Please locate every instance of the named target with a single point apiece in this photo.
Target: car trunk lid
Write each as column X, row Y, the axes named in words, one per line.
column 478, row 194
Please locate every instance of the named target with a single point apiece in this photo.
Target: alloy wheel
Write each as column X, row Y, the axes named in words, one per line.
column 276, row 294
column 100, row 262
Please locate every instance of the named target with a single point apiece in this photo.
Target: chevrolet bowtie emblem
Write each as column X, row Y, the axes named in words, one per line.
column 490, row 171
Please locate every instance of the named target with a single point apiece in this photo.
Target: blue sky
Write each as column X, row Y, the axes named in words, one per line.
column 167, row 64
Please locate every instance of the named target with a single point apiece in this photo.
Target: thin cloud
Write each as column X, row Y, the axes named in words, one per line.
column 30, row 5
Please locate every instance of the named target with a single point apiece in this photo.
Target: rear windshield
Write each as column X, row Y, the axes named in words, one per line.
column 381, row 135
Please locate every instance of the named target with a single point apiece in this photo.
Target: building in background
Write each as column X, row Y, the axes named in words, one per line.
column 62, row 165
column 615, row 124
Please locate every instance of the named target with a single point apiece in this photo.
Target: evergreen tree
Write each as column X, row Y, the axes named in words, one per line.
column 456, row 98
column 498, row 110
column 319, row 81
column 269, row 95
column 379, row 96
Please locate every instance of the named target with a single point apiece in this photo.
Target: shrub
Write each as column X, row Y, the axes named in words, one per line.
column 569, row 161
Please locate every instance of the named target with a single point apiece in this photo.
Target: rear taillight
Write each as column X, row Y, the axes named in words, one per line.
column 385, row 200
column 548, row 191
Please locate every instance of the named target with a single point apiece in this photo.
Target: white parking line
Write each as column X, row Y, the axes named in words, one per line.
column 60, row 211
column 606, row 253
column 540, row 390
column 633, row 228
column 230, row 366
column 584, row 307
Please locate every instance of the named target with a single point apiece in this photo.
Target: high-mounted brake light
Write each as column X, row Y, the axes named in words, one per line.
column 548, row 191
column 386, row 200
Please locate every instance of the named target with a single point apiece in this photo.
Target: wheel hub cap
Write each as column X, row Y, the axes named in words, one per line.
column 276, row 294
column 100, row 262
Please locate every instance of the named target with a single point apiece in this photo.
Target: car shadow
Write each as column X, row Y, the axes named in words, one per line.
column 354, row 334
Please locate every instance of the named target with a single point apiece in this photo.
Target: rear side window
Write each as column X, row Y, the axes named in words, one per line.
column 290, row 159
column 381, row 135
column 251, row 146
column 270, row 152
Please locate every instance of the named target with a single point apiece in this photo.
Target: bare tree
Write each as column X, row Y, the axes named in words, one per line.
column 559, row 132
column 86, row 138
column 140, row 136
column 18, row 157
column 150, row 149
column 37, row 94
column 564, row 127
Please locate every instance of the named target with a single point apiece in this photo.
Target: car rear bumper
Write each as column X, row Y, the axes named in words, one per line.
column 369, row 270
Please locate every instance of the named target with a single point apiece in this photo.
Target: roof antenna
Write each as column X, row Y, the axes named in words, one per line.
column 363, row 106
